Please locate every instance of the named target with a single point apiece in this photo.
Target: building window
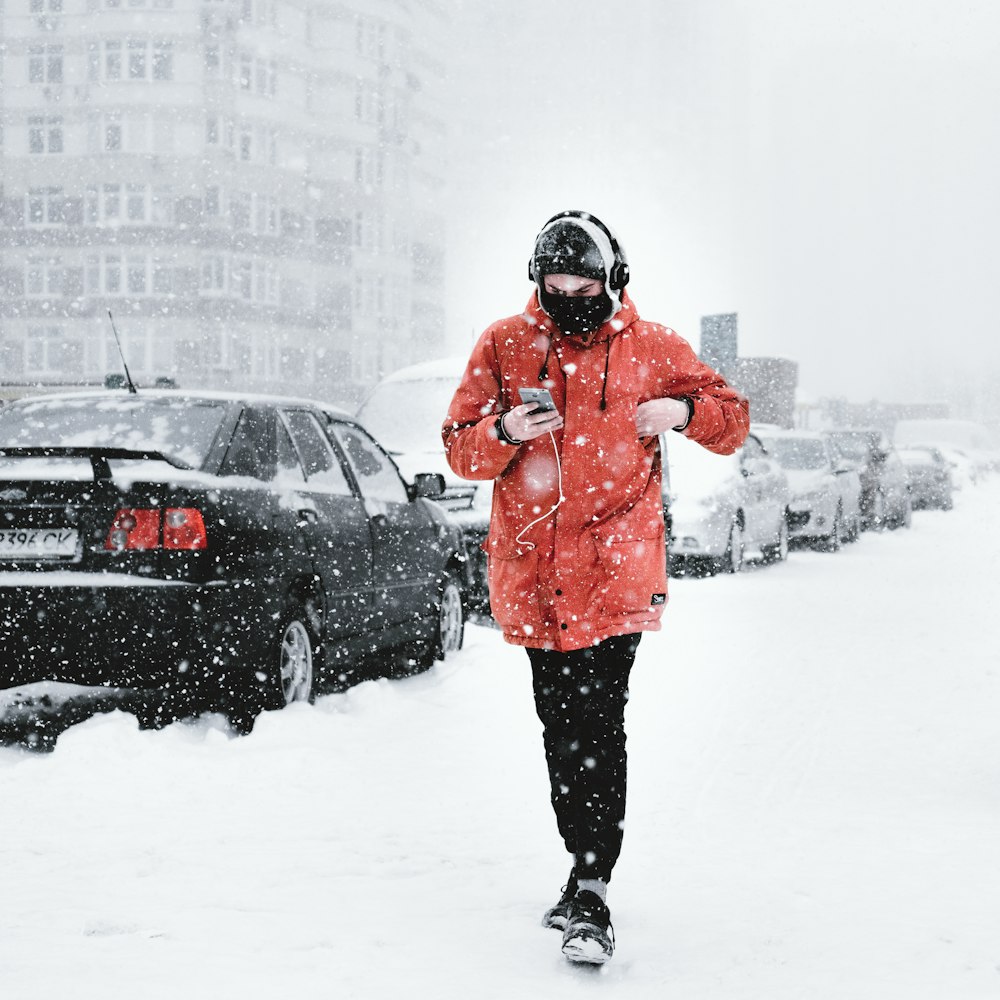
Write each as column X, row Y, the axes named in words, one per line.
column 43, row 277
column 367, row 103
column 45, row 206
column 137, row 203
column 50, row 351
column 163, row 60
column 162, row 206
column 46, row 6
column 45, row 134
column 370, row 38
column 213, row 201
column 112, row 61
column 213, row 62
column 137, row 60
column 45, row 64
column 112, row 133
column 145, row 60
column 213, row 275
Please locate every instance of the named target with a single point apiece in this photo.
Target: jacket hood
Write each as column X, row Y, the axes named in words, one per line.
column 624, row 317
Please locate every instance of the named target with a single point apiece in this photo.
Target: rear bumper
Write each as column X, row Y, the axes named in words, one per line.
column 116, row 630
column 810, row 520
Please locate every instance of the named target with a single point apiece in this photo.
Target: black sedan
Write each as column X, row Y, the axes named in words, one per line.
column 222, row 551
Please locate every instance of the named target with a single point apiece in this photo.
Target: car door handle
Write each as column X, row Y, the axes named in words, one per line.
column 380, row 520
column 307, row 515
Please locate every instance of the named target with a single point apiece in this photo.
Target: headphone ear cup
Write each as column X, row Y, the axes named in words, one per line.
column 619, row 275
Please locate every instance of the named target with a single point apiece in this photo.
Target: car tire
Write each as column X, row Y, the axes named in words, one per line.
column 778, row 552
column 732, row 559
column 879, row 521
column 446, row 641
column 831, row 543
column 906, row 520
column 285, row 675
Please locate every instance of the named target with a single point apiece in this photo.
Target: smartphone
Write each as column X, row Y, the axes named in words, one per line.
column 542, row 399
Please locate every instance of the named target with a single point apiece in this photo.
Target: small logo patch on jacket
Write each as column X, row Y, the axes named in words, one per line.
column 658, row 599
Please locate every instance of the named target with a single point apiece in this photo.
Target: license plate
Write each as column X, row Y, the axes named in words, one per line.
column 37, row 543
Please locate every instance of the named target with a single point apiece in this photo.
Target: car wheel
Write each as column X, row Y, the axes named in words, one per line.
column 732, row 560
column 907, row 519
column 778, row 552
column 832, row 541
column 447, row 640
column 285, row 675
column 451, row 618
column 879, row 519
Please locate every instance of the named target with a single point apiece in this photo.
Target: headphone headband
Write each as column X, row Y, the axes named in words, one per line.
column 619, row 276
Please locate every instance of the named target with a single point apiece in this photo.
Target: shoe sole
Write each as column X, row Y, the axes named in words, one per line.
column 587, row 949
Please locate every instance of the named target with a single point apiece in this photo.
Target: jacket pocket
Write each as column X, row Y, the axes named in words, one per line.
column 634, row 569
column 512, row 572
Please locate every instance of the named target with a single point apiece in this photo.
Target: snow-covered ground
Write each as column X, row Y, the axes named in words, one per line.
column 813, row 813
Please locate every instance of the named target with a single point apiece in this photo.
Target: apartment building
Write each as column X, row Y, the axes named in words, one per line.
column 252, row 188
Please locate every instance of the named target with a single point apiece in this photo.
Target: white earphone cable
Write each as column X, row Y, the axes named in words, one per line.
column 519, row 540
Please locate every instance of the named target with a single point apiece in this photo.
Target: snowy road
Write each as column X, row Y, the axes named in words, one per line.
column 814, row 803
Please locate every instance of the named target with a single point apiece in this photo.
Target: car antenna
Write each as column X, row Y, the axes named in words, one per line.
column 131, row 384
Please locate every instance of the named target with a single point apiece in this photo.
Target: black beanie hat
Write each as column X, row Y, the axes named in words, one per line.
column 566, row 247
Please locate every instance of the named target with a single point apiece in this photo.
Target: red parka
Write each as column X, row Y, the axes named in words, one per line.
column 597, row 566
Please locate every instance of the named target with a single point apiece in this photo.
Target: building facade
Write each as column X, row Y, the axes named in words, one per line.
column 251, row 187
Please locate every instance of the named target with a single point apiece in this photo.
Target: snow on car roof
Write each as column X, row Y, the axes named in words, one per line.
column 438, row 368
column 175, row 395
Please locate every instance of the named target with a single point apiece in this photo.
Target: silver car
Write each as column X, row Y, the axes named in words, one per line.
column 825, row 507
column 723, row 508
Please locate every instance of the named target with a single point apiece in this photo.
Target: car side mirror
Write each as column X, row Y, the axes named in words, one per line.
column 428, row 484
column 755, row 467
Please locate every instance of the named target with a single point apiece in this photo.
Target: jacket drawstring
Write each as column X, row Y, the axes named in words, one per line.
column 543, row 372
column 604, row 385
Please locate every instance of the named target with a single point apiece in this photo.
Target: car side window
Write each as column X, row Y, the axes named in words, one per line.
column 374, row 470
column 289, row 470
column 751, row 449
column 246, row 454
column 322, row 465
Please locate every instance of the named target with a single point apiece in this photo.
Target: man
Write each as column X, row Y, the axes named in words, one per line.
column 577, row 561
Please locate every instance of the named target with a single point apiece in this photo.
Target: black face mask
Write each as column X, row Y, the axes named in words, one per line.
column 577, row 313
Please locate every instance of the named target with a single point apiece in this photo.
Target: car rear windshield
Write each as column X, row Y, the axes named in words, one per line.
column 407, row 416
column 797, row 453
column 183, row 429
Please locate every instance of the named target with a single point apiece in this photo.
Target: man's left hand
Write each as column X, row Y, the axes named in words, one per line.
column 659, row 415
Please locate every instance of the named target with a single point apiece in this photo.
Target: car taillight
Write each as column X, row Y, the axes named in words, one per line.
column 134, row 528
column 184, row 528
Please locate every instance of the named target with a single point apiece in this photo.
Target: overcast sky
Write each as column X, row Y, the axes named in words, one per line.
column 828, row 170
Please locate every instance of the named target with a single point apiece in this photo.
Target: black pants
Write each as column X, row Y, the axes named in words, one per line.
column 580, row 697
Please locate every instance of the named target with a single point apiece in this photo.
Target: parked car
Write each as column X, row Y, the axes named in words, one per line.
column 405, row 412
column 724, row 507
column 885, row 490
column 825, row 505
column 975, row 443
column 930, row 477
column 223, row 550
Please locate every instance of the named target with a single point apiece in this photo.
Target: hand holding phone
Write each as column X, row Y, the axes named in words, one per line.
column 541, row 397
column 537, row 415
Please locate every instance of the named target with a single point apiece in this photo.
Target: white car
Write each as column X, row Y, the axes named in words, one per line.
column 405, row 412
column 723, row 508
column 825, row 507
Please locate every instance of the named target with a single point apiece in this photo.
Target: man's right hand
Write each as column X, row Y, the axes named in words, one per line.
column 523, row 425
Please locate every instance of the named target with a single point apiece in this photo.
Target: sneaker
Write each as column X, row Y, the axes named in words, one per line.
column 589, row 936
column 557, row 915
